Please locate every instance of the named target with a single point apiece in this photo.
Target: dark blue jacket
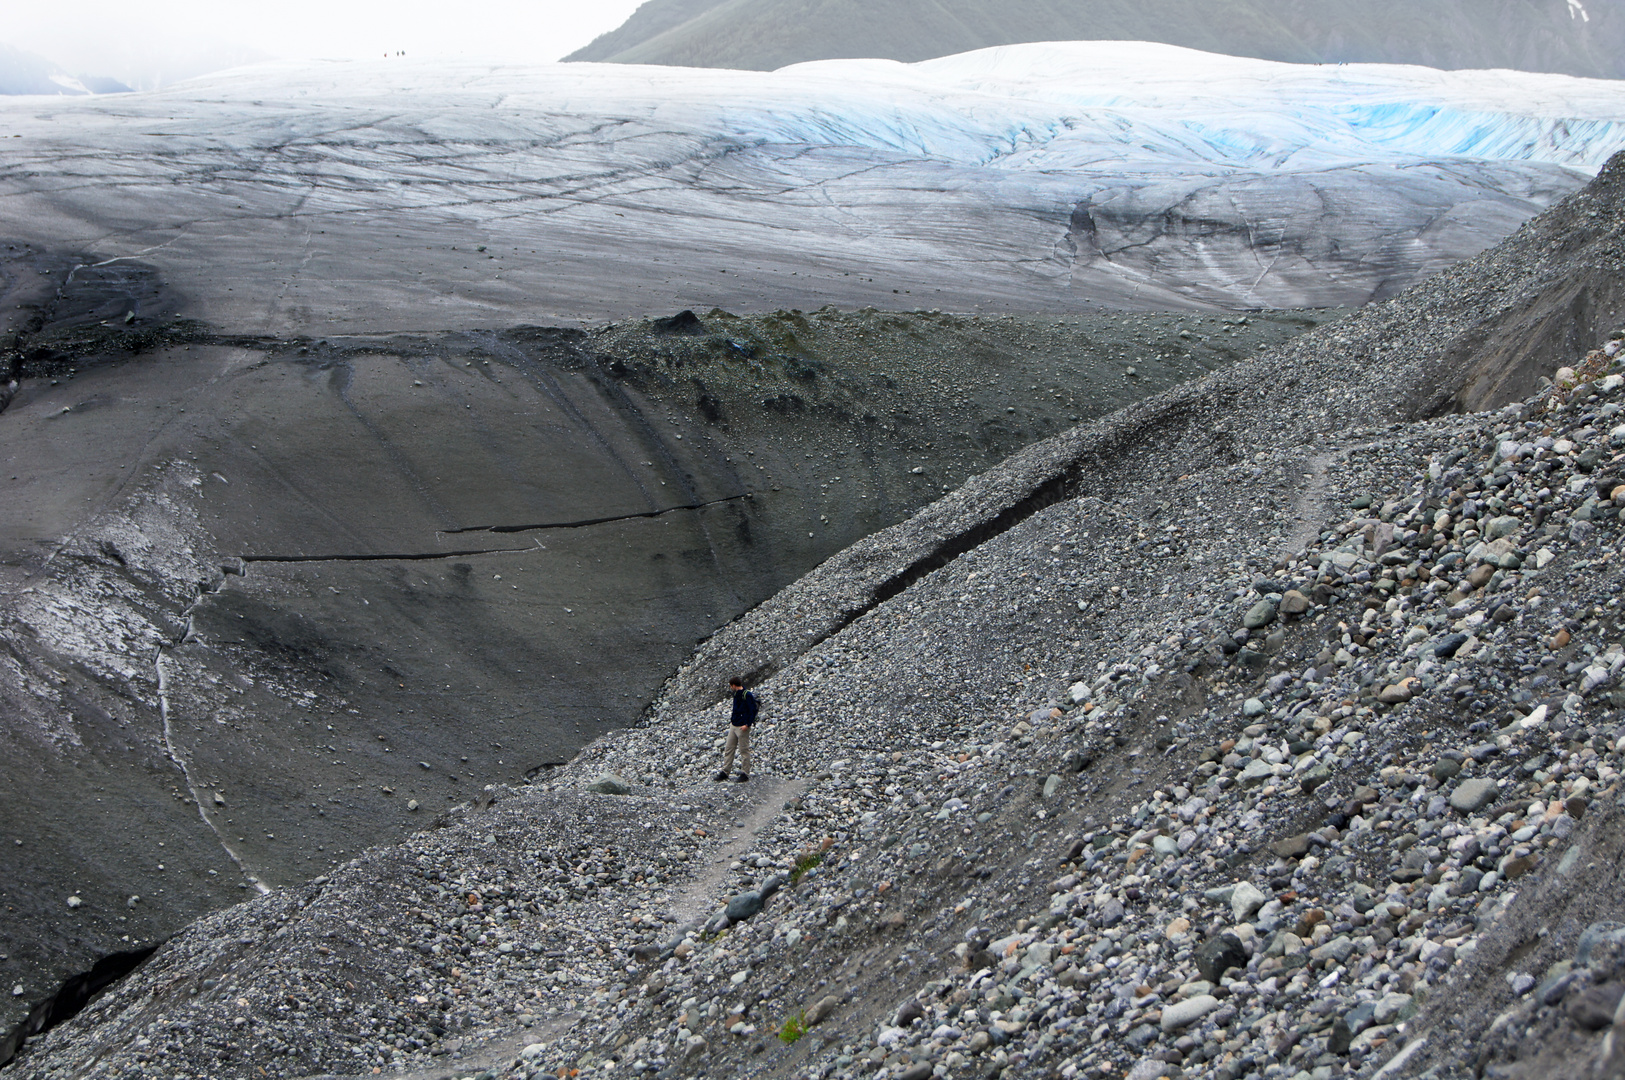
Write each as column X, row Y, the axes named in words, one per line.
column 745, row 708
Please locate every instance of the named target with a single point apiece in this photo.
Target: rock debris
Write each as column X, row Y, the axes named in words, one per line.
column 1296, row 759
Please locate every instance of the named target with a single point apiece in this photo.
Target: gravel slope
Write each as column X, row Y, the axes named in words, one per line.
column 208, row 617
column 1260, row 729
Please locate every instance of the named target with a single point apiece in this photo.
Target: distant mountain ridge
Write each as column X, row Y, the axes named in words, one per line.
column 27, row 73
column 1561, row 36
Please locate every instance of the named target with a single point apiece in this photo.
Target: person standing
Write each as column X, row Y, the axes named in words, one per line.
column 745, row 708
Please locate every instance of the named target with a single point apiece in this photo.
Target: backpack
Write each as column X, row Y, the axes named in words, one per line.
column 752, row 707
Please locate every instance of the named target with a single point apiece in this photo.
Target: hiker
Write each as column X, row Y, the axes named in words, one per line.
column 744, row 714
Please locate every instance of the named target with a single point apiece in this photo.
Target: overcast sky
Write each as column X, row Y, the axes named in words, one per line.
column 102, row 37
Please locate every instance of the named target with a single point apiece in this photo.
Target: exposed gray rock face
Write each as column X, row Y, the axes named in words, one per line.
column 1579, row 39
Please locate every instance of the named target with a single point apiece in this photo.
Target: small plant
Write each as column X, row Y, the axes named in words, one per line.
column 805, row 862
column 792, row 1029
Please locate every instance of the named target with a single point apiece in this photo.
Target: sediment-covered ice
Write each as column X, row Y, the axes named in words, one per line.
column 1048, row 176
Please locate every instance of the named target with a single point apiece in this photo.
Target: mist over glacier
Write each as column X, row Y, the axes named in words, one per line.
column 1063, row 176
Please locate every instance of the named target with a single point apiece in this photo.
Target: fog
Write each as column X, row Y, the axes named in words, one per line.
column 148, row 45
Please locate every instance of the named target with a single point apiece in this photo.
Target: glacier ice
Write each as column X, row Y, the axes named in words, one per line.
column 323, row 196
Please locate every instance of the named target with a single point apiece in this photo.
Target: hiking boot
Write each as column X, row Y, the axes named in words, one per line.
column 742, row 777
column 723, row 775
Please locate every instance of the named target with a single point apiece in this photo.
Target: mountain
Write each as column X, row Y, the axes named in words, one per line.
column 104, row 84
column 24, row 72
column 1566, row 36
column 27, row 73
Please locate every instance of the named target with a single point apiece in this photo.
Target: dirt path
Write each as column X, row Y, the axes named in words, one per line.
column 1309, row 509
column 696, row 899
column 493, row 1056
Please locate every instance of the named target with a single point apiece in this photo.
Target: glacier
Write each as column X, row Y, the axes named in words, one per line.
column 323, row 197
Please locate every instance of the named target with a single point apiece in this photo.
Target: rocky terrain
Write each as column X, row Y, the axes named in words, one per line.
column 1531, row 35
column 375, row 432
column 1267, row 727
column 265, row 603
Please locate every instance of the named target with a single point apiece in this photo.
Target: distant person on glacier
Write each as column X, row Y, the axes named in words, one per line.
column 745, row 708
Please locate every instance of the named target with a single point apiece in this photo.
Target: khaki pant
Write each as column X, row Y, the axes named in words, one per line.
column 738, row 737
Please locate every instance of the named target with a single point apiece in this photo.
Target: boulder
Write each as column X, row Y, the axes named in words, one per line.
column 1294, row 604
column 820, row 1010
column 1246, row 900
column 1255, row 773
column 1314, row 776
column 1593, row 1008
column 1293, row 847
column 745, row 906
column 1472, row 796
column 1218, row 955
column 610, row 784
column 1396, row 694
column 1259, row 615
column 1449, row 645
column 1598, row 933
column 1111, row 912
column 1182, row 1014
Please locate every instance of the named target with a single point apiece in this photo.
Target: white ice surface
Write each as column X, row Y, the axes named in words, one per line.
column 328, row 196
